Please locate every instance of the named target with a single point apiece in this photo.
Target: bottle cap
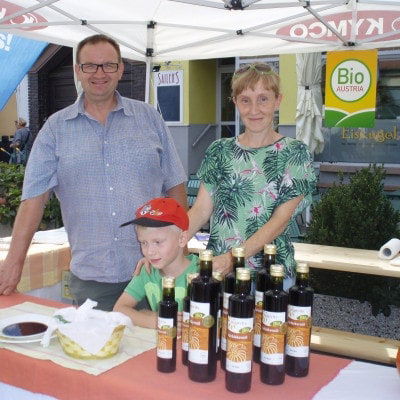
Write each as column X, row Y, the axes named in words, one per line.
column 277, row 270
column 168, row 282
column 238, row 252
column 269, row 248
column 206, row 255
column 243, row 274
column 190, row 277
column 217, row 275
column 302, row 267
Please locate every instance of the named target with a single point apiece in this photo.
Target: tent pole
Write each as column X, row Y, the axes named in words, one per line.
column 147, row 87
column 149, row 56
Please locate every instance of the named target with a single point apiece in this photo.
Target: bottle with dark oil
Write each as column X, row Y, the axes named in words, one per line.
column 299, row 312
column 240, row 335
column 219, row 277
column 203, row 322
column 228, row 290
column 273, row 330
column 262, row 285
column 166, row 327
column 186, row 319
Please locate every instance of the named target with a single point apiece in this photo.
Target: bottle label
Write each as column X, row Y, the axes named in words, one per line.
column 200, row 323
column 166, row 332
column 299, row 331
column 239, row 344
column 273, row 337
column 219, row 318
column 185, row 330
column 224, row 320
column 259, row 298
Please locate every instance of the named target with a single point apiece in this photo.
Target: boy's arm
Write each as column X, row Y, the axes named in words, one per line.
column 144, row 318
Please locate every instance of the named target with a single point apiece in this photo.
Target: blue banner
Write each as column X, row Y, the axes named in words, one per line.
column 17, row 55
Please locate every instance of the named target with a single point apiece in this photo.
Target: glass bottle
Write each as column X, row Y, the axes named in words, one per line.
column 240, row 335
column 186, row 318
column 219, row 277
column 273, row 331
column 229, row 288
column 299, row 324
column 203, row 322
column 166, row 327
column 262, row 285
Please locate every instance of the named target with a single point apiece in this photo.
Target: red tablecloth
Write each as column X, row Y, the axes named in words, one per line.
column 138, row 378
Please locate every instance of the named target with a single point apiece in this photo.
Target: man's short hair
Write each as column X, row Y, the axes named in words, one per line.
column 97, row 39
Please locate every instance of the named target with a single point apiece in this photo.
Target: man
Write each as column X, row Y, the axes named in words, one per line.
column 103, row 156
column 19, row 143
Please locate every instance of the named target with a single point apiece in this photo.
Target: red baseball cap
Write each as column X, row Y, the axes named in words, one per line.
column 161, row 211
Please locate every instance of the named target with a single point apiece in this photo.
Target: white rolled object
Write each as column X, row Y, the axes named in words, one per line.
column 395, row 262
column 390, row 249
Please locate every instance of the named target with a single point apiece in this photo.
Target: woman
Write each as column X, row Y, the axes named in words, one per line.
column 254, row 184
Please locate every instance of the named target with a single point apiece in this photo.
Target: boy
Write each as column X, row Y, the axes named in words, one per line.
column 161, row 227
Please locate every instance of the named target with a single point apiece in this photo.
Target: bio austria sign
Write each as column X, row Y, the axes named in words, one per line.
column 350, row 90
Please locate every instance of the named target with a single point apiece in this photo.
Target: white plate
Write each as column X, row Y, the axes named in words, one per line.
column 5, row 322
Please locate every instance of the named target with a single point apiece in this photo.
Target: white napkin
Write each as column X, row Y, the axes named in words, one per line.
column 89, row 328
column 390, row 249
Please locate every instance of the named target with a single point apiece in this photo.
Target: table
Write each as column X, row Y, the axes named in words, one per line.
column 137, row 378
column 43, row 265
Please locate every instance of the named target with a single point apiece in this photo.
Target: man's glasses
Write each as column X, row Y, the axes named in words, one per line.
column 260, row 68
column 93, row 68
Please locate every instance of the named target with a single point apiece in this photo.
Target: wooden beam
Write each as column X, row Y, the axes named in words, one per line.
column 354, row 345
column 344, row 259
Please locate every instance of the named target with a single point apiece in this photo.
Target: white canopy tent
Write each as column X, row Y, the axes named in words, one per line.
column 164, row 30
column 197, row 29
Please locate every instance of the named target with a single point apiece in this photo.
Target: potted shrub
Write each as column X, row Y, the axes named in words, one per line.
column 356, row 215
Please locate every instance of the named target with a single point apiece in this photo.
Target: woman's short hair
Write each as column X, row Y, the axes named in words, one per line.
column 97, row 39
column 249, row 75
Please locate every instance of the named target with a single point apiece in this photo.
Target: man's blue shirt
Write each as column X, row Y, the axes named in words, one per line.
column 101, row 175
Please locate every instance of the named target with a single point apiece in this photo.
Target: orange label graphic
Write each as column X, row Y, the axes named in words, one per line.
column 239, row 351
column 298, row 332
column 198, row 339
column 273, row 340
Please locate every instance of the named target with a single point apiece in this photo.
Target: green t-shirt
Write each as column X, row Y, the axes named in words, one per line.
column 151, row 285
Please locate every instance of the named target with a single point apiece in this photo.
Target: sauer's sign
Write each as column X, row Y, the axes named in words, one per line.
column 368, row 25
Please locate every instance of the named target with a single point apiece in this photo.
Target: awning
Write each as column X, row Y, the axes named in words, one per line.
column 17, row 55
column 166, row 30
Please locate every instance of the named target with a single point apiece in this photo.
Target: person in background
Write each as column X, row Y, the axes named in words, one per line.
column 103, row 156
column 253, row 185
column 161, row 226
column 19, row 143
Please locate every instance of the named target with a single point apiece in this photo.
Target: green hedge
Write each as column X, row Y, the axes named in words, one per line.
column 11, row 180
column 356, row 215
